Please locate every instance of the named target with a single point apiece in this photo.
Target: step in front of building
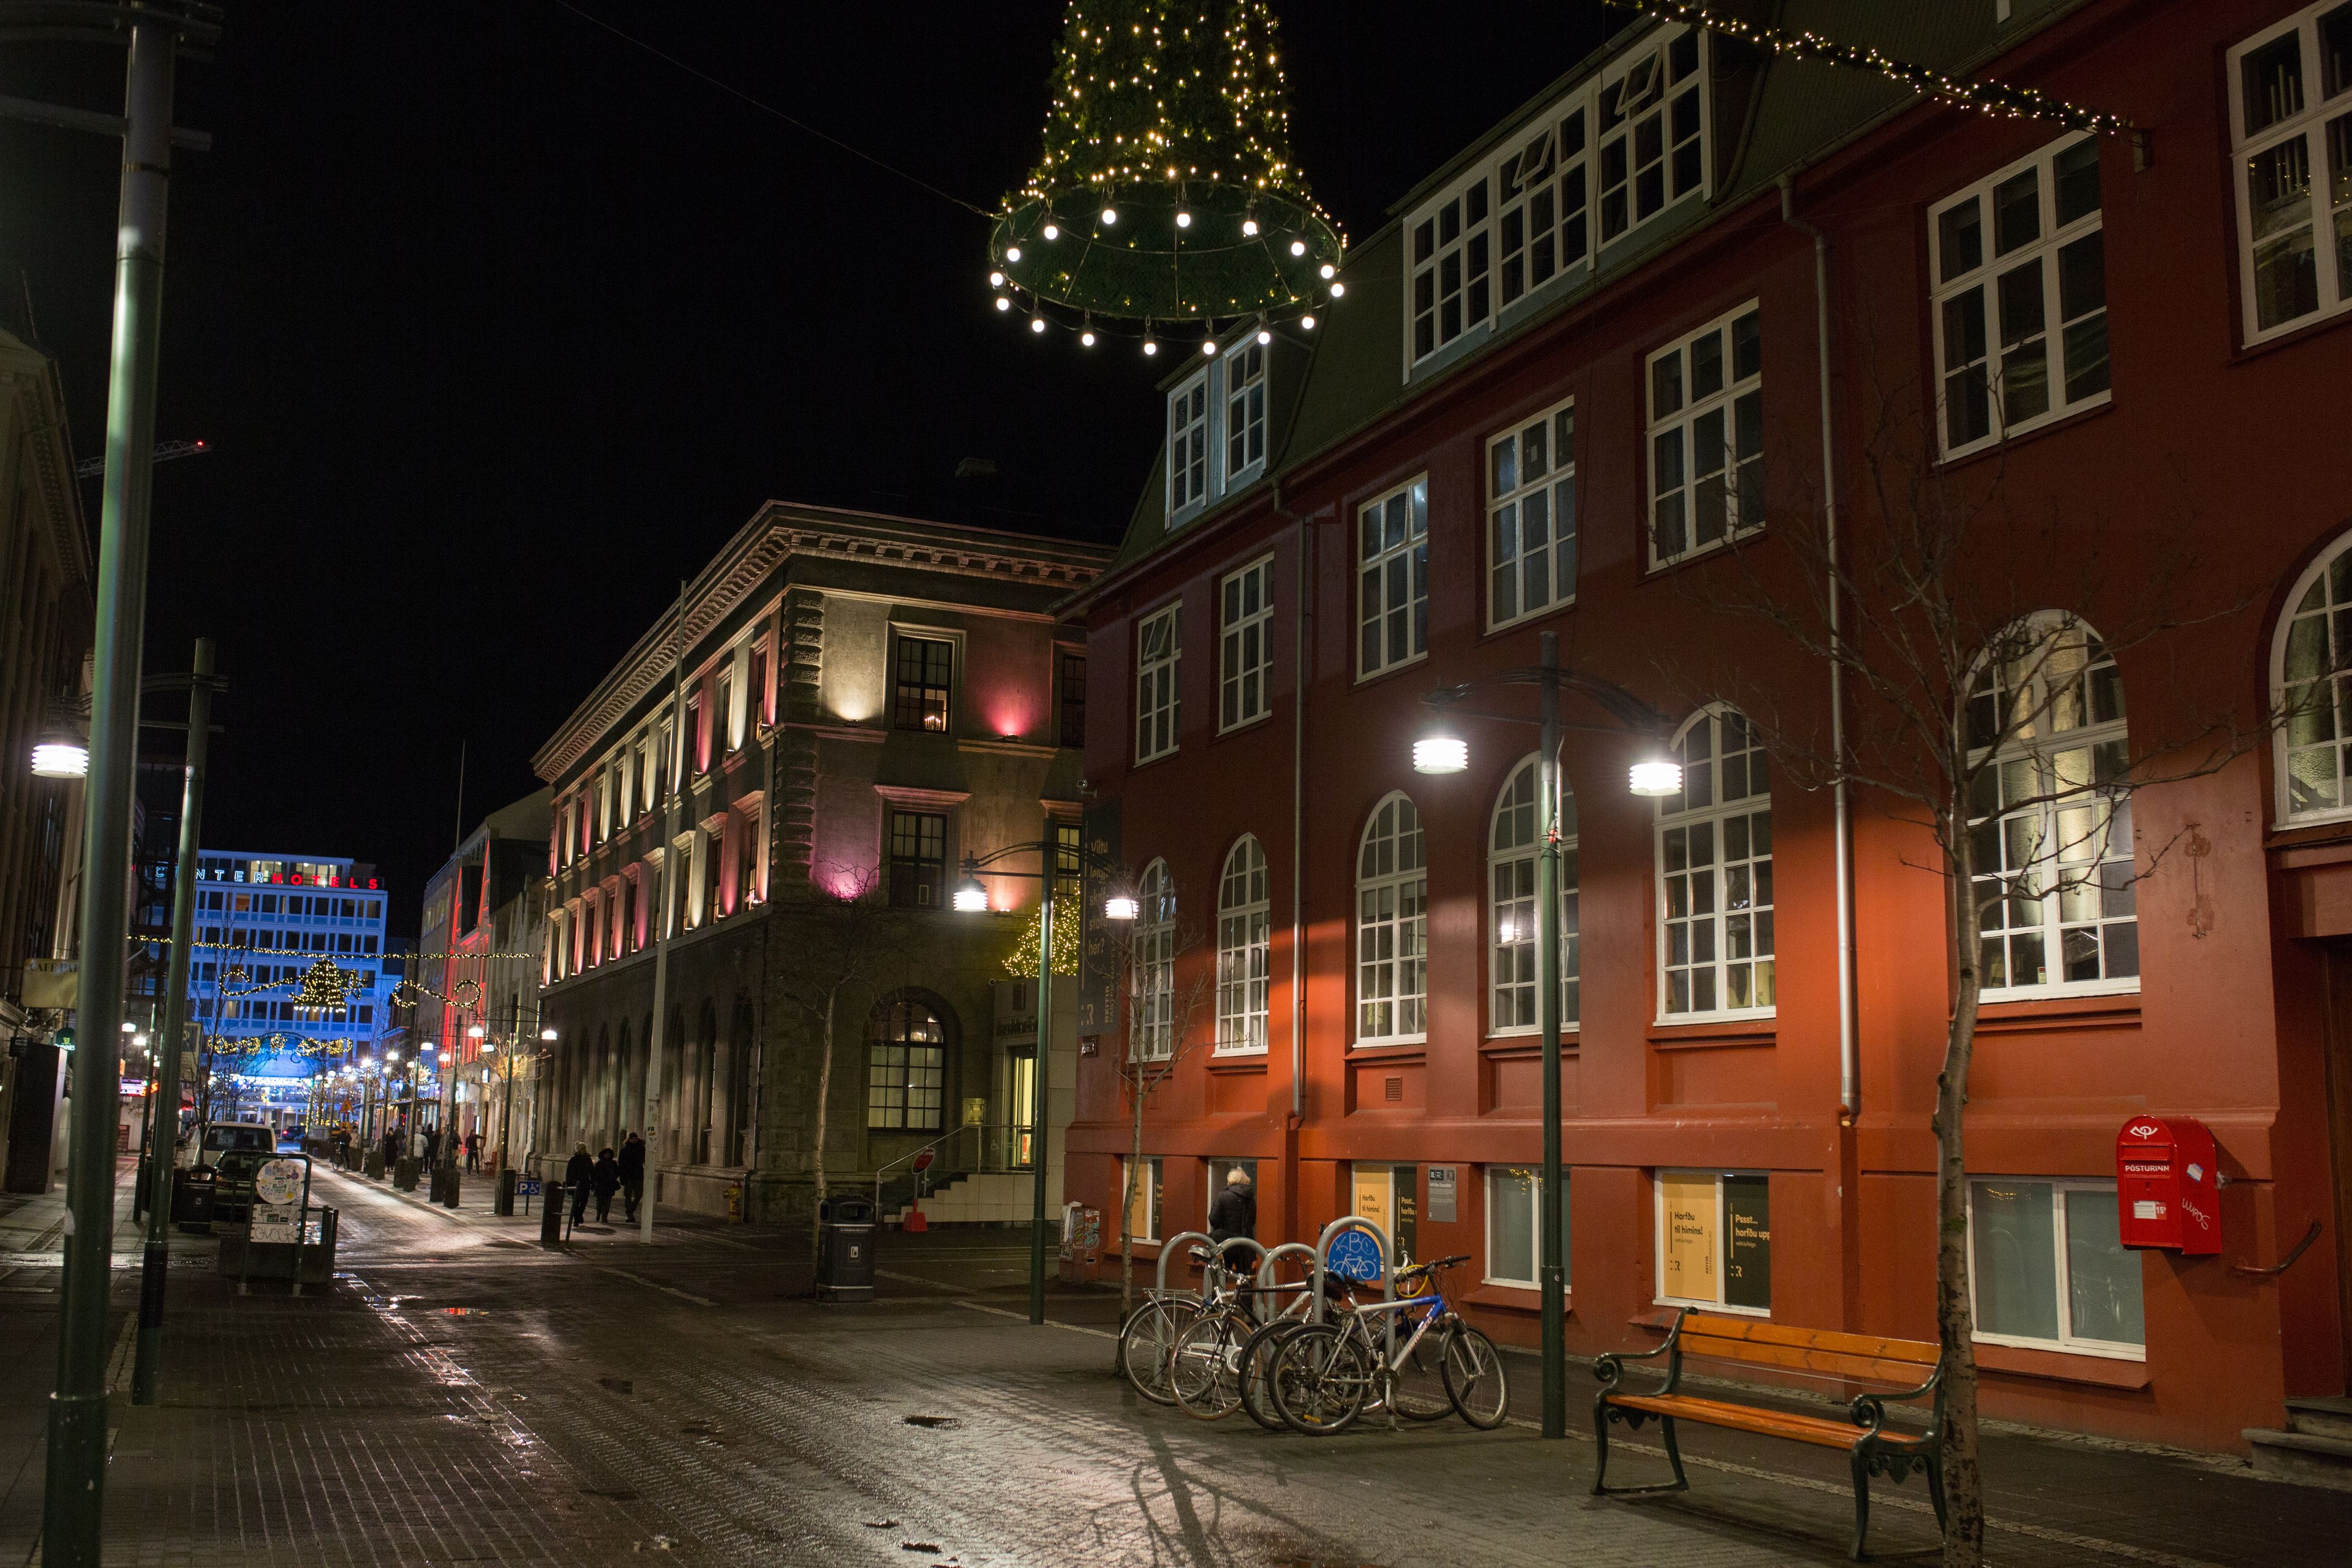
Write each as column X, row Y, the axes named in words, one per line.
column 2316, row 1445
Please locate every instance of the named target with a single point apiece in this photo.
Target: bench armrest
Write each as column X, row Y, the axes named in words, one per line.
column 1868, row 1411
column 1610, row 1368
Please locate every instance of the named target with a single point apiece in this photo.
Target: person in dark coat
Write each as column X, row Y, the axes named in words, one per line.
column 633, row 1172
column 606, row 1178
column 473, row 1149
column 579, row 1175
column 433, row 1145
column 1232, row 1216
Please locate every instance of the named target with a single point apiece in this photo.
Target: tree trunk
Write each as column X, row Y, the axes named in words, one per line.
column 823, row 1103
column 1964, row 1524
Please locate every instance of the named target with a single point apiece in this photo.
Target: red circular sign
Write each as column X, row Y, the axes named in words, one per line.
column 923, row 1161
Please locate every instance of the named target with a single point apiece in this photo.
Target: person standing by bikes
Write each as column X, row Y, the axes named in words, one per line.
column 1232, row 1216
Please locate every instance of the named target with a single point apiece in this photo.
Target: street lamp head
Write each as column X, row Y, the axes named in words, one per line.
column 129, row 1027
column 60, row 753
column 547, row 1035
column 474, row 1033
column 1121, row 907
column 970, row 897
column 1654, row 778
column 1439, row 753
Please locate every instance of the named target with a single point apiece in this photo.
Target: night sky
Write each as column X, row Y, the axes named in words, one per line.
column 500, row 325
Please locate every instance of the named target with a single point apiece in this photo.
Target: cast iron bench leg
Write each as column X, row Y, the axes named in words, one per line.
column 1935, row 1468
column 1861, row 1499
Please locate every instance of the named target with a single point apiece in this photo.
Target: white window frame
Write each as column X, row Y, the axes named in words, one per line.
column 1949, row 292
column 1507, row 854
column 1716, row 921
column 1533, row 1176
column 1147, row 1189
column 1390, row 957
column 1157, row 699
column 1664, row 103
column 1553, row 491
column 1543, row 197
column 1188, row 447
column 1152, row 1002
column 2309, row 124
column 1677, row 430
column 1722, row 1240
column 1439, row 247
column 2066, row 1341
column 1380, row 562
column 1244, row 949
column 2059, row 828
column 1246, row 645
column 1241, row 377
column 2329, row 578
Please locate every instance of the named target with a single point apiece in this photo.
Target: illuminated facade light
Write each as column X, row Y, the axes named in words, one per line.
column 1440, row 754
column 1655, row 778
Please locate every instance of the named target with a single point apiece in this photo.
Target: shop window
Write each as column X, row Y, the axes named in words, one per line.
column 1390, row 1196
column 2047, row 1267
column 1515, row 1226
column 1143, row 1209
column 1715, row 1240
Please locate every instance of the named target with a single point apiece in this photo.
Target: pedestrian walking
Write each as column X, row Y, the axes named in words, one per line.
column 473, row 1149
column 633, row 1173
column 1232, row 1216
column 606, row 1177
column 433, row 1145
column 578, row 1174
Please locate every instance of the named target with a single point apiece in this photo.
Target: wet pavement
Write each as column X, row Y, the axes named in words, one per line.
column 463, row 1396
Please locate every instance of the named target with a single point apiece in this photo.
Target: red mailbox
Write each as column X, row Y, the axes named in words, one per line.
column 2167, row 1190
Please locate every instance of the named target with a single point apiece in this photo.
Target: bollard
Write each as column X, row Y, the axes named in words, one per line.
column 450, row 1183
column 551, row 1216
column 503, row 1203
column 403, row 1174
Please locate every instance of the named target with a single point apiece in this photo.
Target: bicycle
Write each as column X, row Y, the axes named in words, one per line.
column 1326, row 1374
column 1150, row 1333
column 1212, row 1367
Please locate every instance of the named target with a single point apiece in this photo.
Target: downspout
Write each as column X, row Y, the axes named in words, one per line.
column 1849, row 1049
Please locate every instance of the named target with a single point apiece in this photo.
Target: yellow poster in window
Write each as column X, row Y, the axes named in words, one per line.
column 1686, row 1268
column 1139, row 1212
column 1372, row 1188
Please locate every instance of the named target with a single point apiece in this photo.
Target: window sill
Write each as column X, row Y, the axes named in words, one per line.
column 2010, row 441
column 1736, row 1029
column 2294, row 332
column 1246, row 724
column 1744, row 539
column 1386, row 670
column 2079, row 1010
column 1528, row 1045
column 1239, row 1061
column 1502, row 629
column 1413, row 1049
column 2062, row 1366
column 1156, row 757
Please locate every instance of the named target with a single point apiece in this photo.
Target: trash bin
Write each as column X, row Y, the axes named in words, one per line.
column 845, row 1256
column 372, row 1165
column 192, row 1198
column 404, row 1172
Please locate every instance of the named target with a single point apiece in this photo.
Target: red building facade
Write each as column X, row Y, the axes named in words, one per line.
column 1588, row 353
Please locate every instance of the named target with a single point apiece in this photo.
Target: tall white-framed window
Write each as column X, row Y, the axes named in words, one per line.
column 2290, row 120
column 1543, row 188
column 1244, row 949
column 2020, row 297
column 2051, row 820
column 1157, row 651
column 2048, row 1269
column 1515, row 1226
column 1531, row 517
column 1187, row 445
column 1651, row 118
column 1715, row 1240
column 2311, row 681
column 1245, row 645
column 1393, row 578
column 1450, row 257
column 1245, row 374
column 1512, row 845
column 1391, row 927
column 1151, row 1026
column 1715, row 875
column 1706, row 437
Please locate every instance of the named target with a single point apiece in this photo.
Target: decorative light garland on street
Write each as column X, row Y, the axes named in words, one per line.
column 1995, row 97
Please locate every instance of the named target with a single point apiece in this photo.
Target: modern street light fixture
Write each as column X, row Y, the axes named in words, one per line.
column 1440, row 752
column 972, row 898
column 60, row 753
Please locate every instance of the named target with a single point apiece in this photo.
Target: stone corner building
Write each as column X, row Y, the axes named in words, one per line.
column 867, row 699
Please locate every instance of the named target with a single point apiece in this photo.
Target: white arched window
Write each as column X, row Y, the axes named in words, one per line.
column 1391, row 928
column 1715, row 874
column 2051, row 820
column 2310, row 680
column 1244, row 949
column 1152, row 1033
column 1511, row 848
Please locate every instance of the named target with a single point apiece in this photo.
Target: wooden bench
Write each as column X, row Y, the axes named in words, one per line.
column 1912, row 1368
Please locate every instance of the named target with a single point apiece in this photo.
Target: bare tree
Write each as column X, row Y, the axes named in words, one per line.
column 842, row 946
column 1978, row 648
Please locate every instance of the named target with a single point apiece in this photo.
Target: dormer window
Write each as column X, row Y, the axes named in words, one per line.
column 1652, row 123
column 1245, row 409
column 1187, row 445
column 1451, row 259
column 1544, row 198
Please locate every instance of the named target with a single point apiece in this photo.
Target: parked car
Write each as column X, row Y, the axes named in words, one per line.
column 290, row 1140
column 220, row 1137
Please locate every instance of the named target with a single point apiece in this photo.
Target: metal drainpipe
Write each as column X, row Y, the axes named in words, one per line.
column 1849, row 1049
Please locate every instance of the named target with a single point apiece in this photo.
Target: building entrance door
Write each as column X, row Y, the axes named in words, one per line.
column 2339, row 1128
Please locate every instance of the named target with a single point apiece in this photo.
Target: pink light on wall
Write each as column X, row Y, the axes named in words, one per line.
column 1008, row 721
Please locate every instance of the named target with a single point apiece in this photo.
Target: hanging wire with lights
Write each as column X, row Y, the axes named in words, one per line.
column 1165, row 204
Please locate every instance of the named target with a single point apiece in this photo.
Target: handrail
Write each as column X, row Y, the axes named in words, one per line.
column 2253, row 1271
column 950, row 1135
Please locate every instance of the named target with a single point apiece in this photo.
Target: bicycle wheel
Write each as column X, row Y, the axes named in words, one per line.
column 1321, row 1378
column 1421, row 1392
column 1144, row 1343
column 1475, row 1379
column 1204, row 1364
column 1256, row 1368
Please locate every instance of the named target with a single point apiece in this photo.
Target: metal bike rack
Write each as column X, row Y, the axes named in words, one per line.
column 1388, row 1260
column 1288, row 1249
column 1167, row 1250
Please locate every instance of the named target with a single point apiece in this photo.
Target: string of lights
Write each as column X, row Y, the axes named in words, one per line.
column 2001, row 99
column 313, row 953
